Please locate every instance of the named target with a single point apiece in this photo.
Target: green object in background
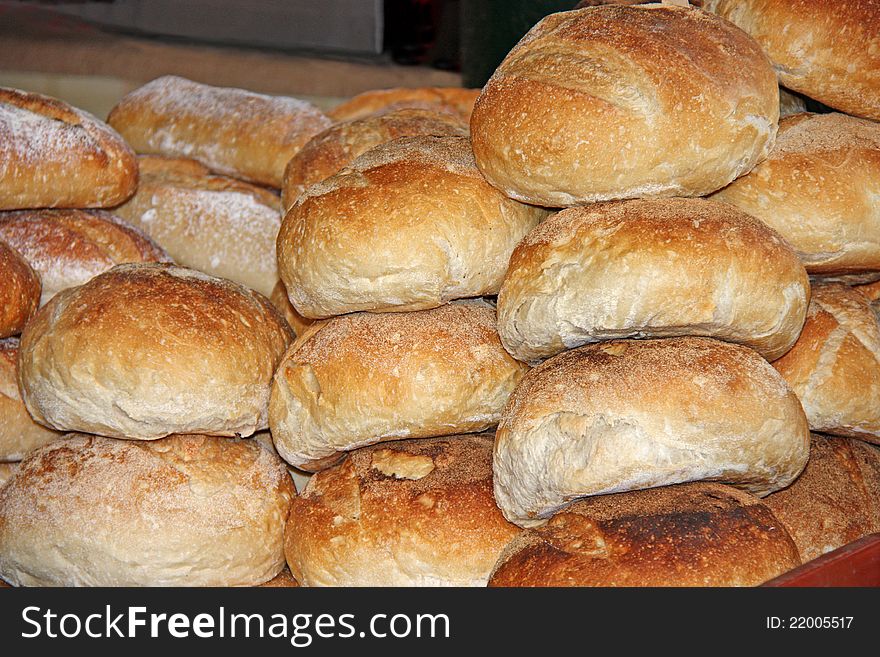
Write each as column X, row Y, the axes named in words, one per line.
column 490, row 28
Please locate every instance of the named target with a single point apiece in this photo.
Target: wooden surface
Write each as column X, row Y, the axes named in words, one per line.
column 856, row 564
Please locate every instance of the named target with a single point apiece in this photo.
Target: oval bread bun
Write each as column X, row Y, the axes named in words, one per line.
column 146, row 350
column 454, row 101
column 834, row 367
column 182, row 511
column 835, row 501
column 69, row 247
column 218, row 225
column 694, row 534
column 334, row 149
column 19, row 293
column 366, row 378
column 632, row 414
column 19, row 434
column 826, row 49
column 819, row 190
column 297, row 322
column 620, row 102
column 409, row 513
column 651, row 268
column 409, row 225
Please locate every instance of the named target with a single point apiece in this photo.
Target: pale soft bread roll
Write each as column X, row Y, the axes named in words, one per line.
column 53, row 155
column 19, row 292
column 330, row 151
column 455, row 101
column 408, row 513
column 651, row 268
column 625, row 102
column 19, row 434
column 69, row 247
column 146, row 350
column 297, row 322
column 370, row 377
column 236, row 132
column 409, row 225
column 835, row 501
column 218, row 225
column 834, row 367
column 826, row 49
column 182, row 511
column 819, row 190
column 632, row 414
column 694, row 534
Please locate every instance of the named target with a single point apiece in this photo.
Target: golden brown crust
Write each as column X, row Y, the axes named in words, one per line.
column 687, row 535
column 818, row 189
column 145, row 350
column 590, row 105
column 835, row 501
column 455, row 101
column 216, row 224
column 235, row 132
column 69, row 247
column 329, row 152
column 408, row 513
column 54, row 155
column 184, row 510
column 826, row 49
column 371, row 377
column 651, row 268
column 19, row 434
column 19, row 293
column 834, row 367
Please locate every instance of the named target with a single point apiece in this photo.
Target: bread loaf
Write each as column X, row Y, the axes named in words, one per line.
column 818, row 189
column 632, row 414
column 182, row 511
column 370, row 377
column 408, row 513
column 334, row 149
column 297, row 322
column 146, row 350
column 687, row 535
column 409, row 225
column 651, row 268
column 232, row 131
column 826, row 49
column 53, row 155
column 834, row 367
column 454, row 101
column 20, row 292
column 618, row 102
column 218, row 225
column 69, row 247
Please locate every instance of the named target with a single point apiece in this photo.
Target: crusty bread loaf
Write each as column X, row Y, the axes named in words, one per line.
column 835, row 501
column 19, row 293
column 651, row 268
column 818, row 189
column 297, row 322
column 632, row 414
column 19, row 434
column 370, row 377
column 232, row 131
column 455, row 101
column 409, row 225
column 53, row 155
column 146, row 350
column 408, row 513
column 694, row 534
column 826, row 49
column 870, row 290
column 69, row 247
column 185, row 510
column 330, row 151
column 620, row 102
column 834, row 367
column 218, row 225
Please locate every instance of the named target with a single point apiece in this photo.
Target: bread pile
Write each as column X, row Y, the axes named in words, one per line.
column 563, row 335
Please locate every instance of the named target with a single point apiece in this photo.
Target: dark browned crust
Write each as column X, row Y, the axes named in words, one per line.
column 19, row 291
